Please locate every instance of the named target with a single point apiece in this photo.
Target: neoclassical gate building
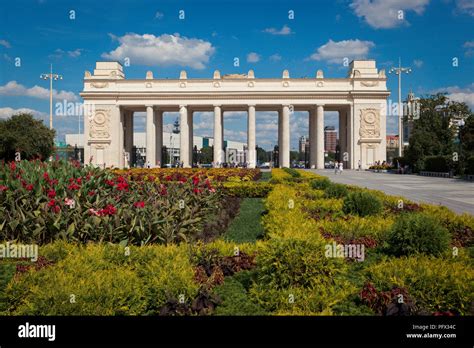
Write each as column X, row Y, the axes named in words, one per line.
column 110, row 101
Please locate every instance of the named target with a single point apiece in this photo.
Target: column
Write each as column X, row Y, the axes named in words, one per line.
column 279, row 138
column 150, row 137
column 184, row 136
column 218, row 135
column 121, row 139
column 285, row 137
column 191, row 136
column 129, row 137
column 312, row 138
column 320, row 137
column 159, row 136
column 350, row 137
column 252, row 158
column 342, row 136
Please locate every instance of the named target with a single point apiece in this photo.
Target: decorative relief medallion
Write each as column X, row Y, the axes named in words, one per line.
column 217, row 84
column 182, row 85
column 99, row 125
column 286, row 84
column 320, row 84
column 369, row 123
column 369, row 83
column 148, row 85
column 251, row 84
column 100, row 84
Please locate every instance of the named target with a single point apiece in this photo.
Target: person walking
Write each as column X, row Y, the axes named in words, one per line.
column 336, row 167
column 341, row 167
column 359, row 166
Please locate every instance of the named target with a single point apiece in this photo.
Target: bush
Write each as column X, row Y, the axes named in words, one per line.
column 320, row 184
column 336, row 191
column 104, row 281
column 293, row 172
column 362, row 203
column 470, row 166
column 436, row 164
column 417, row 233
column 234, row 300
column 434, row 284
column 247, row 189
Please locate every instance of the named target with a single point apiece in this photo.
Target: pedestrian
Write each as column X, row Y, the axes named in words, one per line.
column 341, row 167
column 148, row 164
column 359, row 165
column 336, row 167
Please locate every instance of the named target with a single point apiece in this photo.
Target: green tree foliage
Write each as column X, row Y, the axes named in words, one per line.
column 433, row 133
column 26, row 135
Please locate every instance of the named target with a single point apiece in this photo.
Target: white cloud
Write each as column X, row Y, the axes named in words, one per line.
column 465, row 6
column 285, row 30
column 253, row 57
column 164, row 50
column 5, row 43
column 8, row 112
column 7, row 57
column 275, row 57
column 76, row 53
column 13, row 88
column 418, row 63
column 384, row 14
column 469, row 46
column 335, row 52
column 459, row 94
column 159, row 15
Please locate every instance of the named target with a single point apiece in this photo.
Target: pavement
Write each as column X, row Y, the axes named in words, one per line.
column 456, row 194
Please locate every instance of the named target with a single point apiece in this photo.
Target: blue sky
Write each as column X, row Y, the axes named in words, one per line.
column 428, row 36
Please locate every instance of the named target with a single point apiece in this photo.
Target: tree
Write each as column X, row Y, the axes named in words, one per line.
column 433, row 133
column 207, row 154
column 22, row 133
column 262, row 155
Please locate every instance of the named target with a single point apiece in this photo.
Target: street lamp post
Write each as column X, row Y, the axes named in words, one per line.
column 398, row 71
column 51, row 77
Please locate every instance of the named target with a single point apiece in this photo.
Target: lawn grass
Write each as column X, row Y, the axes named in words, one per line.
column 266, row 176
column 246, row 226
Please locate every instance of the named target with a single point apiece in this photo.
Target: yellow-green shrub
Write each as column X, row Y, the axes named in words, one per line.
column 436, row 284
column 103, row 280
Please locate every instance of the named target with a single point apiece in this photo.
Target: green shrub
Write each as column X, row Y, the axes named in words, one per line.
column 247, row 189
column 417, row 233
column 293, row 172
column 234, row 300
column 104, row 280
column 434, row 284
column 335, row 191
column 362, row 204
column 320, row 184
column 436, row 164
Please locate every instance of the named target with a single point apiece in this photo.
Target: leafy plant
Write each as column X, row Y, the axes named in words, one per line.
column 362, row 203
column 336, row 191
column 417, row 233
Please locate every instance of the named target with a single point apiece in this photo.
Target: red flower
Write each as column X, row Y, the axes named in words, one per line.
column 12, row 166
column 163, row 191
column 46, row 176
column 71, row 180
column 196, row 190
column 168, row 178
column 110, row 182
column 182, row 179
column 53, row 182
column 56, row 209
column 120, row 179
column 109, row 210
column 151, row 178
column 122, row 186
column 139, row 204
column 79, row 180
column 29, row 187
column 74, row 186
column 91, row 193
column 51, row 193
column 3, row 188
column 51, row 203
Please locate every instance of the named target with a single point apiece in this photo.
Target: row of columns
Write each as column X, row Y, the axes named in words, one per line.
column 154, row 135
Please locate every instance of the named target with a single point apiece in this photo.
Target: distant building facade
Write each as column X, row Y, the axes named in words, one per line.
column 330, row 139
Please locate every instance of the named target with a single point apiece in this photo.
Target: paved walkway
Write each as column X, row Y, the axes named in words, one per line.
column 457, row 195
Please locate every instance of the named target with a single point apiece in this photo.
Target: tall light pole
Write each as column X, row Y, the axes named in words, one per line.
column 51, row 77
column 398, row 71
